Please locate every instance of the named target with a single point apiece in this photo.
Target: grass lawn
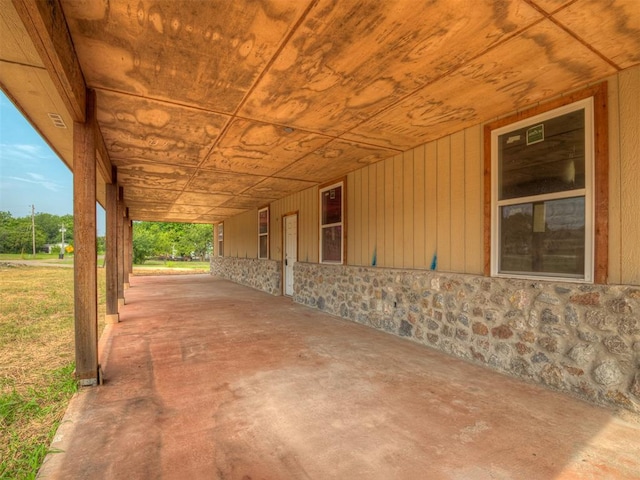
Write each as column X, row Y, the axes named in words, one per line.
column 160, row 267
column 36, row 362
column 29, row 256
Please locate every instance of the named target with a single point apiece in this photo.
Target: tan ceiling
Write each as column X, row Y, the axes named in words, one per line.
column 209, row 108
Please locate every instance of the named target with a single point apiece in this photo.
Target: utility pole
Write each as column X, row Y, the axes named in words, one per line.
column 33, row 228
column 62, row 230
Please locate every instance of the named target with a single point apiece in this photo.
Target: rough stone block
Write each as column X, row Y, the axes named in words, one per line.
column 607, row 373
column 615, row 344
column 480, row 328
column 502, row 331
column 591, row 299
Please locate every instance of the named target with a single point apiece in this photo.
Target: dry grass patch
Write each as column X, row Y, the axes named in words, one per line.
column 36, row 362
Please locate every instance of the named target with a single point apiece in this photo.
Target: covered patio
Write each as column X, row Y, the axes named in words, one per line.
column 205, row 378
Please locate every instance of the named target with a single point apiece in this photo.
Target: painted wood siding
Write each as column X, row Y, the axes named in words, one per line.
column 423, row 203
column 425, row 206
column 624, row 177
column 241, row 235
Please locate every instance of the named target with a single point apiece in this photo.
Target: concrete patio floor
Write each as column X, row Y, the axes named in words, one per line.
column 206, row 379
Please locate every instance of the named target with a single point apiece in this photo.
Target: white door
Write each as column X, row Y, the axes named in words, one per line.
column 290, row 251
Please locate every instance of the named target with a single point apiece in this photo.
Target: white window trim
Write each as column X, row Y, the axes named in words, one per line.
column 340, row 223
column 587, row 192
column 264, row 209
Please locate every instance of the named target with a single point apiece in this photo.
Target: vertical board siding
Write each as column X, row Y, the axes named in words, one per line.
column 408, row 208
column 398, row 213
column 419, row 256
column 457, row 202
column 443, row 199
column 364, row 217
column 473, row 178
column 373, row 214
column 615, row 258
column 380, row 211
column 241, row 235
column 629, row 94
column 431, row 202
column 388, row 214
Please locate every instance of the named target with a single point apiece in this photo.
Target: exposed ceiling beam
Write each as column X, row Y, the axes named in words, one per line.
column 104, row 162
column 47, row 27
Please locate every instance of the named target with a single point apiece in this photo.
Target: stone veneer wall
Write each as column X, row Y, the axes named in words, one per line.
column 583, row 339
column 263, row 275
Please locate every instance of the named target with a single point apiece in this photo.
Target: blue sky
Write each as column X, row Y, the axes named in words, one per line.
column 30, row 172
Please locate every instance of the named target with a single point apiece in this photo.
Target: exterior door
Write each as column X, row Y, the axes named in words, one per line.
column 290, row 251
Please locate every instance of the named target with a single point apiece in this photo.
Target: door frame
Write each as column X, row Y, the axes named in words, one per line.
column 284, row 246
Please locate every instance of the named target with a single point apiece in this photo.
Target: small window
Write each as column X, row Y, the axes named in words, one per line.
column 220, row 239
column 331, row 223
column 542, row 184
column 263, row 233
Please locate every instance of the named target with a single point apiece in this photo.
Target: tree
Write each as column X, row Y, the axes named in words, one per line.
column 16, row 236
column 169, row 239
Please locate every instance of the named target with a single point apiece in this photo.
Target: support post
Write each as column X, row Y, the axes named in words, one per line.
column 112, row 315
column 85, row 257
column 120, row 246
column 127, row 249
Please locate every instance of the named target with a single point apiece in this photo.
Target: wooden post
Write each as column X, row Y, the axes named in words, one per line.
column 111, row 253
column 120, row 246
column 127, row 249
column 85, row 261
column 130, row 261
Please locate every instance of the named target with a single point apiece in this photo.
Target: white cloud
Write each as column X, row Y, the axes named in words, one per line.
column 23, row 152
column 37, row 179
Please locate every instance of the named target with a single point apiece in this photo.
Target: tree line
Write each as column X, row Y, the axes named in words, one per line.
column 179, row 241
column 16, row 234
column 183, row 241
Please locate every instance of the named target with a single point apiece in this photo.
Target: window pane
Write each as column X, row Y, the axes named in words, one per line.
column 544, row 157
column 543, row 237
column 263, row 246
column 332, row 205
column 332, row 244
column 263, row 221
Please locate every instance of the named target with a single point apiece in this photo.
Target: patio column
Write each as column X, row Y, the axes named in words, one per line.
column 120, row 246
column 85, row 261
column 111, row 260
column 127, row 249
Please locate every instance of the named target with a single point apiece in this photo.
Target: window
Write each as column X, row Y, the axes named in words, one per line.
column 331, row 223
column 263, row 232
column 220, row 239
column 542, row 215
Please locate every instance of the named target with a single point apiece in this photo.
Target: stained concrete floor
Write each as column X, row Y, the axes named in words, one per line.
column 206, row 379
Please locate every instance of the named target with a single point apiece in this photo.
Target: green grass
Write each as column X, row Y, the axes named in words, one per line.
column 29, row 256
column 160, row 267
column 36, row 362
column 27, row 424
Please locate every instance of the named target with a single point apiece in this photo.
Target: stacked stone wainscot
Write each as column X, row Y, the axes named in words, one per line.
column 263, row 275
column 577, row 338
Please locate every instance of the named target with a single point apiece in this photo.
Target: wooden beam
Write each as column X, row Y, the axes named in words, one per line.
column 105, row 166
column 85, row 262
column 47, row 28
